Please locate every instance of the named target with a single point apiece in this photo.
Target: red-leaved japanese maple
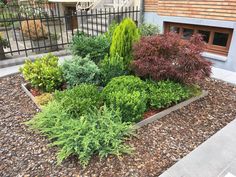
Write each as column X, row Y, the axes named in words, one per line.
column 168, row 56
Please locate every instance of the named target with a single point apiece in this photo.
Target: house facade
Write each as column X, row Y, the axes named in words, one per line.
column 214, row 19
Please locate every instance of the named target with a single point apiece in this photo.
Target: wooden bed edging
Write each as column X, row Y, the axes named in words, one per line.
column 25, row 89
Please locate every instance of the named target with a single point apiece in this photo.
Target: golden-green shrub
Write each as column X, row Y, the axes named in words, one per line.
column 43, row 99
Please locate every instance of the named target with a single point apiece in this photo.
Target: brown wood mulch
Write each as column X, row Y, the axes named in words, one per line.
column 158, row 145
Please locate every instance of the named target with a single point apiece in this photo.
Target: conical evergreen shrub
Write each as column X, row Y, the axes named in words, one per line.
column 123, row 38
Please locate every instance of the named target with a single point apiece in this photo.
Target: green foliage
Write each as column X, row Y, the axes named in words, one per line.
column 132, row 104
column 99, row 132
column 78, row 100
column 123, row 38
column 80, row 70
column 165, row 93
column 110, row 31
column 2, row 4
column 112, row 67
column 148, row 29
column 44, row 73
column 128, row 94
column 131, row 83
column 97, row 46
column 43, row 99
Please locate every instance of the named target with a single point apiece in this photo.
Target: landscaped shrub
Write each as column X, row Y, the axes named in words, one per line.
column 44, row 73
column 132, row 104
column 100, row 132
column 97, row 46
column 147, row 29
column 80, row 70
column 43, row 99
column 34, row 29
column 110, row 31
column 122, row 40
column 165, row 93
column 78, row 100
column 170, row 57
column 128, row 94
column 112, row 67
column 131, row 83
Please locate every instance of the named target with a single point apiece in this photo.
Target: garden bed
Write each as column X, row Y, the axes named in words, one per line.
column 145, row 121
column 88, row 124
column 158, row 145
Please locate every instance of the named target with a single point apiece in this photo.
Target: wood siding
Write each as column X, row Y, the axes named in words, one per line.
column 208, row 9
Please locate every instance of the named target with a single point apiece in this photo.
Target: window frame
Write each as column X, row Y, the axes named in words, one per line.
column 221, row 50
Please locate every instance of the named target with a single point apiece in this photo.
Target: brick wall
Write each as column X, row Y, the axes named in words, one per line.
column 209, row 9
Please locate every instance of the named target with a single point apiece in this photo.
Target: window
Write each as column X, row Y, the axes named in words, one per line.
column 220, row 39
column 205, row 35
column 217, row 39
column 174, row 29
column 187, row 33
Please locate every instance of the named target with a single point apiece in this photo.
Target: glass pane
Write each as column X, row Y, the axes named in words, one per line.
column 187, row 33
column 220, row 39
column 174, row 29
column 205, row 35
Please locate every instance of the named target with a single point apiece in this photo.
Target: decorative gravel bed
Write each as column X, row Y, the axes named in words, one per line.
column 158, row 145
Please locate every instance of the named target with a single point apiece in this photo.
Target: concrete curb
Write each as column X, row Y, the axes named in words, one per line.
column 21, row 60
column 169, row 110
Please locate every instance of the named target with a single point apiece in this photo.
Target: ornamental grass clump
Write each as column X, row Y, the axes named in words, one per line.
column 98, row 132
column 34, row 29
column 168, row 56
column 124, row 36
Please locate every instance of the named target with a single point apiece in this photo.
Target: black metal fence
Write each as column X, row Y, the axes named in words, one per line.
column 46, row 28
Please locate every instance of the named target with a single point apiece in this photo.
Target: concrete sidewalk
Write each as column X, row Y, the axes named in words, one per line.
column 15, row 69
column 224, row 75
column 216, row 157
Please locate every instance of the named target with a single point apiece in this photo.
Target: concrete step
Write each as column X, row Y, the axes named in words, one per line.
column 91, row 32
column 108, row 5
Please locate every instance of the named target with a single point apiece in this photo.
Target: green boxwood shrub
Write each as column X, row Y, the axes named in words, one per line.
column 128, row 94
column 80, row 70
column 132, row 83
column 132, row 104
column 96, row 46
column 100, row 132
column 165, row 93
column 123, row 38
column 78, row 100
column 111, row 67
column 44, row 73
